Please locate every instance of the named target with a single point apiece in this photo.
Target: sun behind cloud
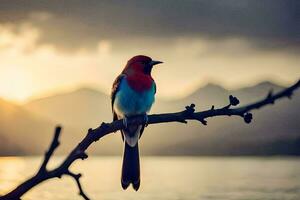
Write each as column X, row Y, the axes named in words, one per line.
column 31, row 68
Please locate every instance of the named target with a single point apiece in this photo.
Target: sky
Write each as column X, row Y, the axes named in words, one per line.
column 53, row 46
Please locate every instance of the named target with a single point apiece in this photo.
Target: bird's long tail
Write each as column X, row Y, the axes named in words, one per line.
column 131, row 167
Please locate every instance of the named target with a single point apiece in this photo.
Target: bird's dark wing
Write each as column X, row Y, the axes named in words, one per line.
column 114, row 90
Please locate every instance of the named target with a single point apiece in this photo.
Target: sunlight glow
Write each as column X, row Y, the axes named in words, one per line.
column 29, row 68
column 10, row 168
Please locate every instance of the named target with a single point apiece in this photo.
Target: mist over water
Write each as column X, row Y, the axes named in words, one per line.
column 166, row 178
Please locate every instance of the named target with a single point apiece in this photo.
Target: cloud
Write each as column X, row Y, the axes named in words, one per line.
column 18, row 38
column 29, row 67
column 41, row 16
column 73, row 24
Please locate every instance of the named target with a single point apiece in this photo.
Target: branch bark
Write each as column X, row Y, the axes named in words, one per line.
column 94, row 135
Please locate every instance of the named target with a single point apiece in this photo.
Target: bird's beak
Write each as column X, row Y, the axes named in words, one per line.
column 154, row 62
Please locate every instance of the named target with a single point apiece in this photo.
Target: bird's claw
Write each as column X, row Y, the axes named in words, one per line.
column 146, row 119
column 125, row 122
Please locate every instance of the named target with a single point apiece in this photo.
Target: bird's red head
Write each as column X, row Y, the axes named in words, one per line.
column 140, row 64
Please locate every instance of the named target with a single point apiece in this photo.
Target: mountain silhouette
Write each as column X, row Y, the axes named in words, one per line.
column 274, row 130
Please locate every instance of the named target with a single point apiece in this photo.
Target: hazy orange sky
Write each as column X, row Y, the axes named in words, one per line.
column 46, row 47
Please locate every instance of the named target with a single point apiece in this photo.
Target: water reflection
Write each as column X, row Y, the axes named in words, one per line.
column 11, row 169
column 173, row 178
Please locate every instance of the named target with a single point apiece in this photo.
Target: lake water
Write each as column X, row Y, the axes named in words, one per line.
column 166, row 178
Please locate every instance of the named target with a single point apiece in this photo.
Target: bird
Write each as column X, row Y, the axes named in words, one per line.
column 133, row 93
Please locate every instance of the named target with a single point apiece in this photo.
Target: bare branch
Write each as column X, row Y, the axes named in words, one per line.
column 77, row 177
column 106, row 128
column 53, row 146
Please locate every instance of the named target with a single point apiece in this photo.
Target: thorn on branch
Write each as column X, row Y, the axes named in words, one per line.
column 269, row 96
column 104, row 126
column 289, row 95
column 190, row 109
column 203, row 121
column 183, row 121
column 80, row 154
column 187, row 112
column 83, row 156
column 248, row 118
column 233, row 100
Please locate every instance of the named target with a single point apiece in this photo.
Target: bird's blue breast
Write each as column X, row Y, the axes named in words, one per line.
column 130, row 102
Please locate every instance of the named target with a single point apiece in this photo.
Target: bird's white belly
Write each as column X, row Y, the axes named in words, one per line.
column 129, row 102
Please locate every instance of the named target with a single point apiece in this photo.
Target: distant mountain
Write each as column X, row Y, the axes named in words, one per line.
column 275, row 129
column 21, row 132
column 83, row 107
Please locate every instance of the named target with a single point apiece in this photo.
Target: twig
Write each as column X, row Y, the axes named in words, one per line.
column 77, row 179
column 53, row 146
column 106, row 128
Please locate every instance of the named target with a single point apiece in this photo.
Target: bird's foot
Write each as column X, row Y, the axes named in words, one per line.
column 125, row 122
column 146, row 119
